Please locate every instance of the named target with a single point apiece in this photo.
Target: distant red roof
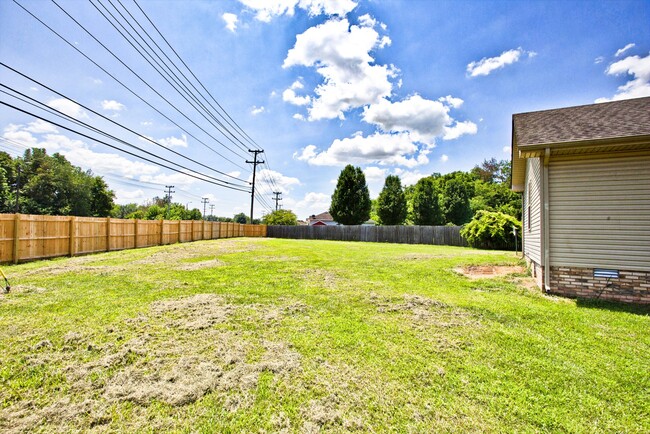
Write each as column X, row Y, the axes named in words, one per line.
column 324, row 216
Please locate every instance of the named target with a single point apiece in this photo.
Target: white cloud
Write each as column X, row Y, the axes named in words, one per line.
column 375, row 173
column 623, row 50
column 444, row 158
column 367, row 21
column 451, row 101
column 68, row 107
column 41, row 127
column 112, row 105
column 599, row 59
column 172, row 141
column 639, row 69
column 506, row 149
column 271, row 177
column 297, row 85
column 230, row 20
column 459, row 129
column 311, row 203
column 299, row 117
column 146, row 123
column 422, row 118
column 383, row 149
column 257, row 110
column 78, row 152
column 409, row 177
column 266, row 10
column 341, row 55
column 129, row 196
column 235, row 174
column 290, row 96
column 486, row 65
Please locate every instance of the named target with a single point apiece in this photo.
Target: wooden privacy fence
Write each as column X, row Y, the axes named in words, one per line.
column 27, row 237
column 438, row 235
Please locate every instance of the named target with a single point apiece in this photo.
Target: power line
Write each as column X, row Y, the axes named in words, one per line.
column 126, row 87
column 112, row 121
column 162, row 69
column 138, row 75
column 196, row 78
column 62, row 115
column 117, row 148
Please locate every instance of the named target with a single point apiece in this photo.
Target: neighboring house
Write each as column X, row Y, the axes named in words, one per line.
column 585, row 177
column 322, row 219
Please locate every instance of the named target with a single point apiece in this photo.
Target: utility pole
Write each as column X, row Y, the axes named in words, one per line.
column 204, row 201
column 169, row 197
column 277, row 198
column 211, row 210
column 254, row 163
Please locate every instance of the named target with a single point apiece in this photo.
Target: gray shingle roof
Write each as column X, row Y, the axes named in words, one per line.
column 616, row 119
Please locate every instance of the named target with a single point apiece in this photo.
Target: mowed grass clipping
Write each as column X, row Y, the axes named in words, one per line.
column 261, row 335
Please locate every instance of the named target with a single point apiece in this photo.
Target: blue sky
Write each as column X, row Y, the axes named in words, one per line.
column 395, row 87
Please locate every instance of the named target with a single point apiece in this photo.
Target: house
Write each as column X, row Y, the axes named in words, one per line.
column 584, row 173
column 322, row 219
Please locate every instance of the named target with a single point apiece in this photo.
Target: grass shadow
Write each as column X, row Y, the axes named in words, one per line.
column 637, row 309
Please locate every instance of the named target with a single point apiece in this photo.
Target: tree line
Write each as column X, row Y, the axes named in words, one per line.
column 37, row 183
column 451, row 199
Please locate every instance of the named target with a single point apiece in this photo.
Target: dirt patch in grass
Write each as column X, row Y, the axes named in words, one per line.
column 179, row 252
column 319, row 277
column 489, row 271
column 426, row 312
column 191, row 266
column 194, row 313
column 176, row 353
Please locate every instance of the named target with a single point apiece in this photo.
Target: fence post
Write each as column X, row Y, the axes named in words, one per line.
column 73, row 236
column 180, row 222
column 108, row 234
column 135, row 233
column 16, row 237
column 162, row 227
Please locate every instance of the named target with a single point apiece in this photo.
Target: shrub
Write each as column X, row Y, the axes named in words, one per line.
column 492, row 230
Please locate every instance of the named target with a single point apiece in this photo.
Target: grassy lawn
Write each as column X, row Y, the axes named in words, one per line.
column 259, row 335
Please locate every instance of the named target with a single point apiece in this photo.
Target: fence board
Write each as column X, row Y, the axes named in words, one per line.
column 438, row 235
column 25, row 237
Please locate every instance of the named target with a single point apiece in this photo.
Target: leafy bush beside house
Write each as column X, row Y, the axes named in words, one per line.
column 492, row 230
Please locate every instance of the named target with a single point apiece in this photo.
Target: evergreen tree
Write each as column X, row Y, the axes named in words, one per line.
column 455, row 202
column 391, row 204
column 426, row 205
column 351, row 199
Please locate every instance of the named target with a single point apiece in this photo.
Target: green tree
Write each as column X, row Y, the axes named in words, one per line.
column 101, row 198
column 351, row 198
column 281, row 217
column 241, row 218
column 455, row 190
column 52, row 185
column 425, row 203
column 122, row 211
column 391, row 204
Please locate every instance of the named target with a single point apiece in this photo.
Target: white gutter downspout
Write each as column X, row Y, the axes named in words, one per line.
column 545, row 218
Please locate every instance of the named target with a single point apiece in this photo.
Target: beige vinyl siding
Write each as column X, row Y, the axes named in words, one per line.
column 600, row 212
column 533, row 194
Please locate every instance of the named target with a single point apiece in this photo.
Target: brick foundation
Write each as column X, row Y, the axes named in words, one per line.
column 574, row 282
column 629, row 287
